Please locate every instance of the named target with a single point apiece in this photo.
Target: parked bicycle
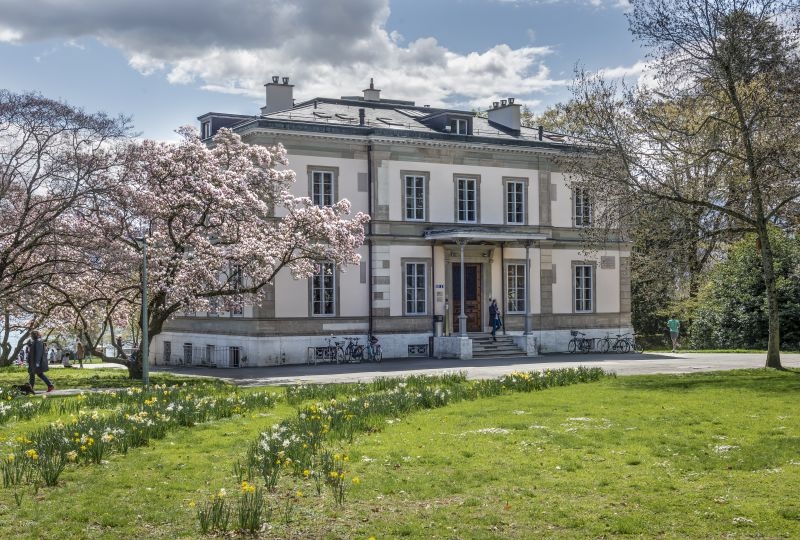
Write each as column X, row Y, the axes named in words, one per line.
column 334, row 352
column 374, row 350
column 621, row 343
column 580, row 342
column 353, row 352
column 635, row 347
column 617, row 344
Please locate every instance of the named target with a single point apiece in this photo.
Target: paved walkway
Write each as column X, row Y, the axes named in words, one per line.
column 621, row 364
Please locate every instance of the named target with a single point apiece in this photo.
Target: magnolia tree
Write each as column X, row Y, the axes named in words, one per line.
column 219, row 224
column 79, row 200
column 54, row 161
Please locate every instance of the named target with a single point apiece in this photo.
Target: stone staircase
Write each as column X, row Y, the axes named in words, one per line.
column 484, row 347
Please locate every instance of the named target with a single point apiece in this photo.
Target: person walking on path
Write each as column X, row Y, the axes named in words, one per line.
column 494, row 318
column 37, row 361
column 79, row 353
column 674, row 326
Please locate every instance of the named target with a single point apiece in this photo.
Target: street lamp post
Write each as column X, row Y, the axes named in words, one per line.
column 145, row 353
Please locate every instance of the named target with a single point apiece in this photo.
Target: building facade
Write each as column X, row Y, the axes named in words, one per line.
column 464, row 209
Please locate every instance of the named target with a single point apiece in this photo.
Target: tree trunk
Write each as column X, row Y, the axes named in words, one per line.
column 135, row 369
column 773, row 312
column 5, row 354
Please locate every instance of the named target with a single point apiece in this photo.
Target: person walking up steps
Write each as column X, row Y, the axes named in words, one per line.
column 494, row 318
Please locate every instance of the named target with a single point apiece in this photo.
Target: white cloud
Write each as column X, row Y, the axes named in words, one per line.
column 327, row 48
column 635, row 71
column 619, row 4
column 640, row 73
column 9, row 35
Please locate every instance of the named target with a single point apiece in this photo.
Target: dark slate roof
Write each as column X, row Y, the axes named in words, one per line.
column 386, row 118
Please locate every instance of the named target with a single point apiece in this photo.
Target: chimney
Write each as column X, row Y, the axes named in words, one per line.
column 360, row 117
column 371, row 93
column 506, row 114
column 541, row 132
column 279, row 95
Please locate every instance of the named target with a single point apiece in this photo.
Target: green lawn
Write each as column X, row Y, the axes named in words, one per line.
column 692, row 456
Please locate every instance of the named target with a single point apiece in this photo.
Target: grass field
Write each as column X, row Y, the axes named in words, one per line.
column 713, row 455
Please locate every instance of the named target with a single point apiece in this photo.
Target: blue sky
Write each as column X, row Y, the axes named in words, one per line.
column 165, row 62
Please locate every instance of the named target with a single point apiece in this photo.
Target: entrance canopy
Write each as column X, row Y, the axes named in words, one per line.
column 482, row 235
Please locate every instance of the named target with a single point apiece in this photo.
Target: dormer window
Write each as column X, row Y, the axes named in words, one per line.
column 459, row 126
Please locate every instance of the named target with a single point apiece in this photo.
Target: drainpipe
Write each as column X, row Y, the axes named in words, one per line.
column 371, row 324
column 528, row 294
column 433, row 288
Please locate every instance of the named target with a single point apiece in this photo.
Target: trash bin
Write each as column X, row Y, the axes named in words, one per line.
column 438, row 325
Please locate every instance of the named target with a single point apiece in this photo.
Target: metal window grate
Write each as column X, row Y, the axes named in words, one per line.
column 418, row 350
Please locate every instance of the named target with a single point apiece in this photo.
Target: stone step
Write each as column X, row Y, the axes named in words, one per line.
column 483, row 346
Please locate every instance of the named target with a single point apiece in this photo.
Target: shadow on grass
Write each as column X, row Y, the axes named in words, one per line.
column 754, row 380
column 100, row 378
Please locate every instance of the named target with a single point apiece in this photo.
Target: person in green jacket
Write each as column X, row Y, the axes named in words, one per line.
column 674, row 331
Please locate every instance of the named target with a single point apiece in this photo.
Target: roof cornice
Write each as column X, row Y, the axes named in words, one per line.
column 369, row 135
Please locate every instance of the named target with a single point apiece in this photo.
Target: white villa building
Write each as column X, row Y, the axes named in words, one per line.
column 464, row 209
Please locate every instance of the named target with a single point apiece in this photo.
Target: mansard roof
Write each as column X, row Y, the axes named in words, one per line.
column 386, row 118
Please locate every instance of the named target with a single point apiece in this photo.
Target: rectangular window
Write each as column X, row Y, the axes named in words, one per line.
column 234, row 356
column 187, row 354
column 584, row 288
column 206, row 129
column 416, row 289
column 236, row 281
column 322, row 188
column 323, row 290
column 210, row 356
column 515, row 287
column 213, row 306
column 415, row 197
column 583, row 207
column 467, row 200
column 459, row 126
column 515, row 202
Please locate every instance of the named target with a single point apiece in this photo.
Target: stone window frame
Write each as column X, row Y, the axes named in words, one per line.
column 334, row 287
column 188, row 352
column 427, row 294
column 525, row 185
column 583, row 200
column 426, row 178
column 475, row 178
column 236, row 277
column 525, row 300
column 334, row 172
column 593, row 290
